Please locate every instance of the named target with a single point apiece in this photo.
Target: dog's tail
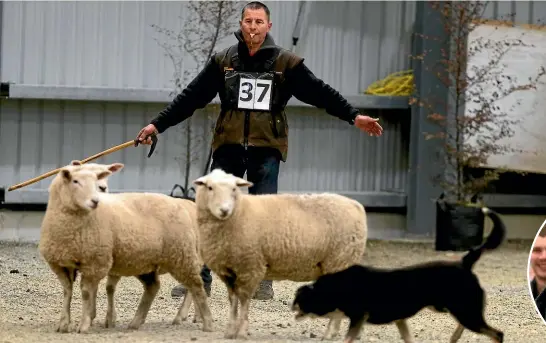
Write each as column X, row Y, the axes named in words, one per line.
column 495, row 239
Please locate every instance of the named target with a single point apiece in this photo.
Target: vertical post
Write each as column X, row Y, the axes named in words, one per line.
column 423, row 154
column 1, row 34
column 4, row 92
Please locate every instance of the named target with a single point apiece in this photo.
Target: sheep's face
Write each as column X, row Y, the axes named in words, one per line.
column 77, row 188
column 219, row 193
column 102, row 184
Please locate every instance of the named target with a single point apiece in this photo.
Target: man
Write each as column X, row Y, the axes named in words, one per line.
column 251, row 133
column 538, row 266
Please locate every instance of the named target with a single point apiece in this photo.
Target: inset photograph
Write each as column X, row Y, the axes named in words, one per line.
column 536, row 271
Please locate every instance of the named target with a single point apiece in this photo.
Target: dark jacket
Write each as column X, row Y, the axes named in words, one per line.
column 540, row 299
column 254, row 128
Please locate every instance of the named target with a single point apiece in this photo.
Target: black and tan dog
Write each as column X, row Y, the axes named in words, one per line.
column 382, row 296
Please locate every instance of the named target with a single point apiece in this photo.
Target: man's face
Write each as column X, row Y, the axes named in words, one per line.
column 538, row 258
column 255, row 22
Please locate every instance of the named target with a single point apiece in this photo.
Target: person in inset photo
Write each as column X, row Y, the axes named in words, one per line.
column 537, row 271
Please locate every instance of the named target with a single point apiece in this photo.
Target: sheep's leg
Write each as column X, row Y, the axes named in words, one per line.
column 111, row 283
column 231, row 331
column 198, row 316
column 244, row 294
column 229, row 280
column 233, row 302
column 242, row 331
column 66, row 277
column 184, row 309
column 202, row 311
column 196, row 287
column 93, row 305
column 151, row 285
column 89, row 286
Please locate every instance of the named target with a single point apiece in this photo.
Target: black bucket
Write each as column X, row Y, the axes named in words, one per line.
column 458, row 227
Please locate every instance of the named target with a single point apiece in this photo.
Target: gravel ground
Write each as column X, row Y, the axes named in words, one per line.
column 30, row 304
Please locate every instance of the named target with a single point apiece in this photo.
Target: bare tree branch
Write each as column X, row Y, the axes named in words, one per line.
column 471, row 138
column 205, row 24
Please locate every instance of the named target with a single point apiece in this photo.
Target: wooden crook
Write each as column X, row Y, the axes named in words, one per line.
column 91, row 158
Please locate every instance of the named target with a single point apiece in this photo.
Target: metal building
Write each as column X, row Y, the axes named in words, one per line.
column 85, row 76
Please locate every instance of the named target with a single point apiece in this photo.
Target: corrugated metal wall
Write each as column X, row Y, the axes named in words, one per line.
column 522, row 12
column 348, row 44
column 325, row 153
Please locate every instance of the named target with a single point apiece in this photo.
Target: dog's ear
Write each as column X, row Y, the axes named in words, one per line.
column 304, row 290
column 301, row 290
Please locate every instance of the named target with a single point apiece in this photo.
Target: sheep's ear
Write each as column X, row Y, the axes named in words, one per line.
column 114, row 167
column 75, row 163
column 103, row 174
column 65, row 173
column 202, row 181
column 243, row 183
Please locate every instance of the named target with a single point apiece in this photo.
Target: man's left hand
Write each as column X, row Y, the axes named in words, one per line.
column 369, row 125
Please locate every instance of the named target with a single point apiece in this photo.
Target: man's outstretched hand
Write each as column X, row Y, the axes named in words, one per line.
column 369, row 125
column 146, row 132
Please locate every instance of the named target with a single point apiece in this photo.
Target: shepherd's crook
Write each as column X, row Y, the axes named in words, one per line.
column 91, row 158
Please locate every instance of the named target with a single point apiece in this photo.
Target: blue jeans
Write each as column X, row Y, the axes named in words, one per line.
column 261, row 166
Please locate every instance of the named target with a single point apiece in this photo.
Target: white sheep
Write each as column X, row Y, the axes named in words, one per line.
column 115, row 235
column 113, row 280
column 246, row 238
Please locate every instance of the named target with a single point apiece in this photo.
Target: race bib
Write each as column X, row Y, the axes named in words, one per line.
column 255, row 93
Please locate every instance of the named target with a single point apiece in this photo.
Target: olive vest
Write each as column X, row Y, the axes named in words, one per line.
column 253, row 103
